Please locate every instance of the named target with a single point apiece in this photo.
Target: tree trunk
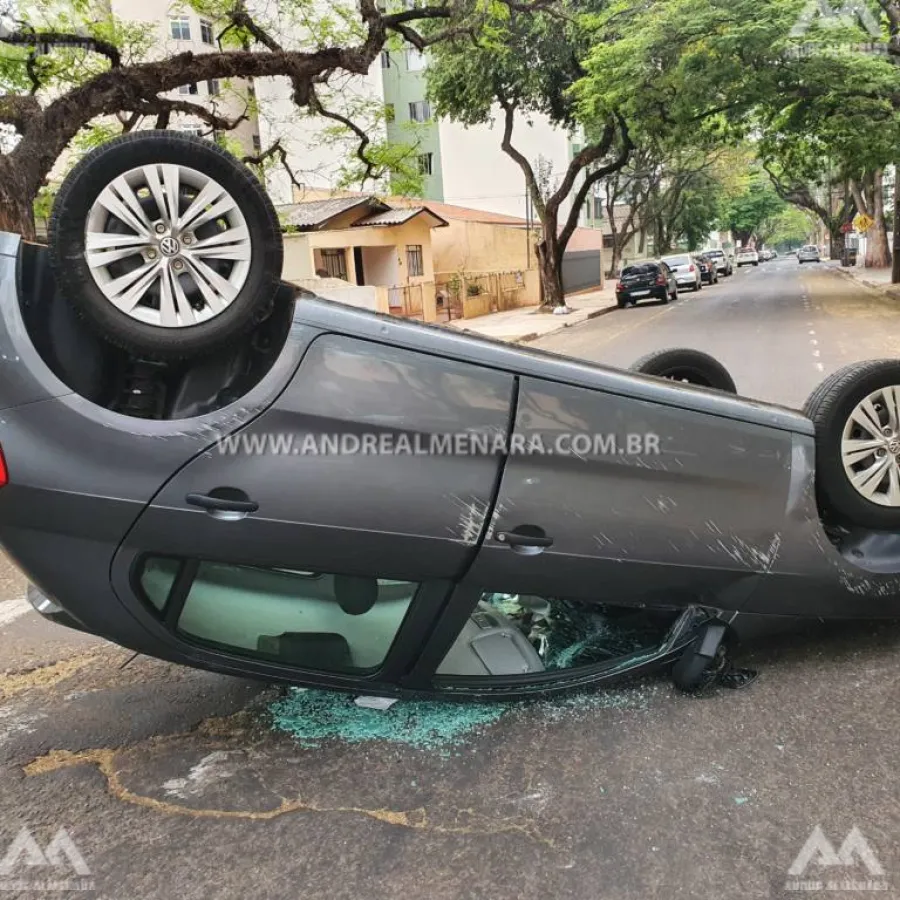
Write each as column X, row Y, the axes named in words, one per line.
column 878, row 253
column 614, row 260
column 550, row 267
column 837, row 240
column 895, row 267
column 16, row 208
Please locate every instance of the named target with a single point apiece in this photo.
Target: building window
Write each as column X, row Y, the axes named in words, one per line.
column 206, row 32
column 385, row 59
column 195, row 130
column 414, row 262
column 419, row 111
column 188, row 89
column 257, row 145
column 334, row 262
column 598, row 208
column 424, row 163
column 390, row 112
column 415, row 60
column 213, row 87
column 180, row 28
column 608, row 242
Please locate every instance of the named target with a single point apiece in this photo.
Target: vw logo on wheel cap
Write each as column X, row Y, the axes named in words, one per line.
column 169, row 246
column 894, row 446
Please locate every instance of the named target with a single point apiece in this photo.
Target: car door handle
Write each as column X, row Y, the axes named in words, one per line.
column 518, row 539
column 222, row 504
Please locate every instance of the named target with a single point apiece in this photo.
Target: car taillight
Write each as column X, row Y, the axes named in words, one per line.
column 660, row 279
column 620, row 286
column 691, row 267
column 4, row 475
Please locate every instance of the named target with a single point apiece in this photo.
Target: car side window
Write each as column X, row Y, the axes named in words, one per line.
column 519, row 634
column 324, row 622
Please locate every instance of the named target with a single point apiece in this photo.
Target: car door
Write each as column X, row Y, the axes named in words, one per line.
column 621, row 500
column 327, row 514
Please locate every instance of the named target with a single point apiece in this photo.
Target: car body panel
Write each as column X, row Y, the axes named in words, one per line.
column 746, row 256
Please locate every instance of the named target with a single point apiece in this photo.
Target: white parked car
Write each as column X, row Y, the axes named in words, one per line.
column 747, row 256
column 686, row 271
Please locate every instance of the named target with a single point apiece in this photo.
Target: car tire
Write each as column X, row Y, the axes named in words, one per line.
column 690, row 366
column 621, row 304
column 187, row 302
column 842, row 410
column 756, row 264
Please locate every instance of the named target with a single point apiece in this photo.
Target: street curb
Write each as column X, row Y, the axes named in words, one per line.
column 889, row 290
column 533, row 336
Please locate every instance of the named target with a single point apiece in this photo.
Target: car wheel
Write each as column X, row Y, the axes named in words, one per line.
column 166, row 244
column 756, row 264
column 856, row 414
column 621, row 303
column 689, row 366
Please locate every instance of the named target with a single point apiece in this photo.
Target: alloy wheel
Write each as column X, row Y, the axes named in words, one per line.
column 870, row 447
column 167, row 245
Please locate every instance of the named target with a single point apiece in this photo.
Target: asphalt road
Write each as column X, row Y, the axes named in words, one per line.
column 171, row 783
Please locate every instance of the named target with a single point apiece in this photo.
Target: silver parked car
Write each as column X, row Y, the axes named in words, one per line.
column 204, row 467
column 686, row 271
column 809, row 253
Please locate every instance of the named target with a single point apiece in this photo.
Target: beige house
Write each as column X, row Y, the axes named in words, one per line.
column 367, row 244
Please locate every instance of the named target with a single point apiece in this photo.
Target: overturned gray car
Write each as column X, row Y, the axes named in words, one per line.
column 203, row 466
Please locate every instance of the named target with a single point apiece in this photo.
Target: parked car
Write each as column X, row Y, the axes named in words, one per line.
column 809, row 253
column 765, row 255
column 747, row 256
column 685, row 270
column 708, row 271
column 266, row 508
column 645, row 280
column 723, row 262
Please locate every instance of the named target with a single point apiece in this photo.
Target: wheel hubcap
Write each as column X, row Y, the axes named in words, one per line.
column 870, row 447
column 167, row 245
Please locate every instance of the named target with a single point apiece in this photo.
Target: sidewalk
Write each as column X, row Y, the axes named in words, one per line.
column 880, row 279
column 531, row 322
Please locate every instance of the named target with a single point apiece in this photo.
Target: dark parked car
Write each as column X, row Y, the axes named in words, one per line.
column 723, row 262
column 644, row 281
column 338, row 498
column 708, row 271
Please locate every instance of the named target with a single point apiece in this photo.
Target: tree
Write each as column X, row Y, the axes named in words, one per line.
column 751, row 215
column 57, row 75
column 520, row 66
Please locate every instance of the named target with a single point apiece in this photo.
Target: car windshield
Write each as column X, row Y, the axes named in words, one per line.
column 677, row 260
column 640, row 269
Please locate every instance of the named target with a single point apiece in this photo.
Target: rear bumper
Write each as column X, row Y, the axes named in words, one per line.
column 654, row 293
column 51, row 610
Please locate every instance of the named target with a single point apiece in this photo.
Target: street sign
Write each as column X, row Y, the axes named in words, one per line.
column 863, row 222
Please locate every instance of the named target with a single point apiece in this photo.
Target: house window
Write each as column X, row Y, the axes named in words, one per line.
column 390, row 112
column 598, row 208
column 385, row 59
column 180, row 28
column 334, row 262
column 424, row 162
column 415, row 60
column 419, row 111
column 206, row 32
column 257, row 145
column 188, row 89
column 608, row 242
column 414, row 262
column 213, row 87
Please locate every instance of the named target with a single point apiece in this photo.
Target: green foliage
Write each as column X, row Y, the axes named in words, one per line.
column 755, row 210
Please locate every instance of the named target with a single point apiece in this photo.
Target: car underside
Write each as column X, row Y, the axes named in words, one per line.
column 329, row 496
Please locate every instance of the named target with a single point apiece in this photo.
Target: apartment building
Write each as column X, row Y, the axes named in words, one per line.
column 181, row 29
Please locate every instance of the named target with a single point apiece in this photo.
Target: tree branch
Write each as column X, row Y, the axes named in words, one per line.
column 276, row 149
column 44, row 40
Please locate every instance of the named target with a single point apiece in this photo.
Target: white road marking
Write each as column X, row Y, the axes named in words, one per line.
column 12, row 610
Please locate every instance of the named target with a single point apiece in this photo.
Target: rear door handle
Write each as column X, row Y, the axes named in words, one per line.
column 223, row 503
column 518, row 539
